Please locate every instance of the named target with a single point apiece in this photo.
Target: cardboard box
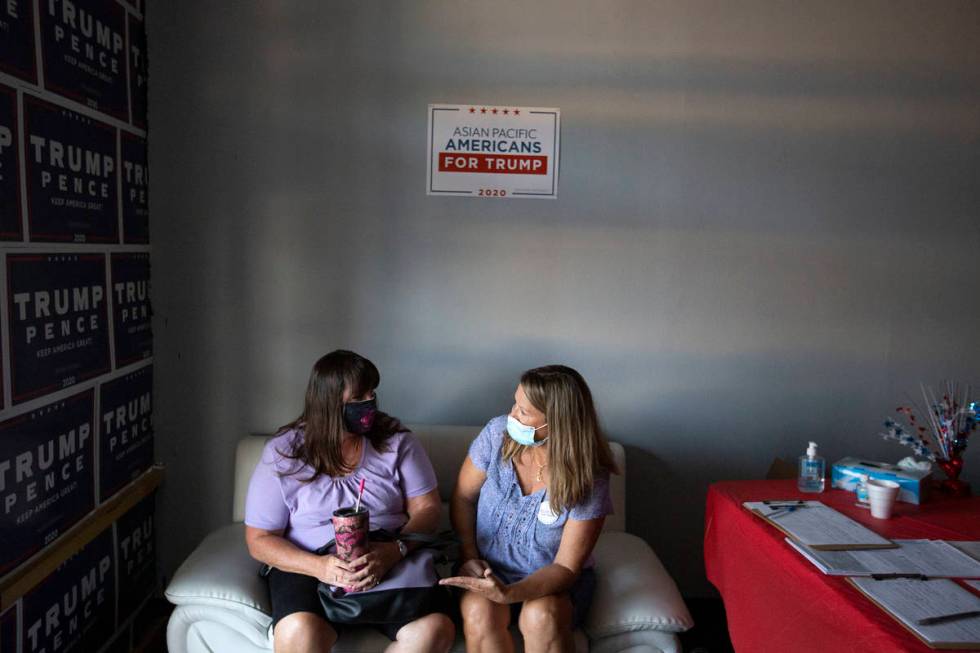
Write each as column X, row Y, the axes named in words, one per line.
column 847, row 472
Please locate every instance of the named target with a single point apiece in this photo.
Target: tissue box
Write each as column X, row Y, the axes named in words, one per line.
column 847, row 472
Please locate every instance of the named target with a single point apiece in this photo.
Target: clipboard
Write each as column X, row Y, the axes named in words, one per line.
column 875, row 541
column 953, row 645
column 930, row 558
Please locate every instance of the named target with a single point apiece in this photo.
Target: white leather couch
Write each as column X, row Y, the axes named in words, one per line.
column 223, row 606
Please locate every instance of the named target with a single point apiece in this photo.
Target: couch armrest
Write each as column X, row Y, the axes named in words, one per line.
column 221, row 573
column 194, row 628
column 633, row 590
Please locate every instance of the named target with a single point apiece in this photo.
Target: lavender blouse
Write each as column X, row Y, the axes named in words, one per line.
column 519, row 534
column 277, row 501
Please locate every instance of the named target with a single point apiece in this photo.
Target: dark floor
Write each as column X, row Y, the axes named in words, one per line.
column 710, row 632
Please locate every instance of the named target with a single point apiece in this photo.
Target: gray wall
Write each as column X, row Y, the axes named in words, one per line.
column 767, row 229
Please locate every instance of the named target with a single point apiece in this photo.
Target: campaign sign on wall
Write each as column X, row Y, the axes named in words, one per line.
column 47, row 480
column 126, row 435
column 488, row 151
column 135, row 557
column 135, row 190
column 137, row 71
column 83, row 47
column 71, row 175
column 130, row 286
column 73, row 609
column 58, row 321
column 17, row 39
column 9, row 170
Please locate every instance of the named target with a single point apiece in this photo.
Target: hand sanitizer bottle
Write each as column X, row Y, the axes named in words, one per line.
column 862, row 489
column 812, row 468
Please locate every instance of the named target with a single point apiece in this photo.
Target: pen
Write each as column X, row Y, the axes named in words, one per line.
column 888, row 576
column 779, row 507
column 928, row 621
column 782, row 510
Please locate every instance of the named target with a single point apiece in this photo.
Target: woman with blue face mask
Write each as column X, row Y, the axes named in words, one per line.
column 529, row 504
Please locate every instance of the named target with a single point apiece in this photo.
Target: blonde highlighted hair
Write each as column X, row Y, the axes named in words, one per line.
column 577, row 448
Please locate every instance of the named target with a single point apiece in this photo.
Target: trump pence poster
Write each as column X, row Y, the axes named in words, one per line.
column 493, row 151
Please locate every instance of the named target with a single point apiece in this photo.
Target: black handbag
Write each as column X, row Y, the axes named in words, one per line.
column 408, row 592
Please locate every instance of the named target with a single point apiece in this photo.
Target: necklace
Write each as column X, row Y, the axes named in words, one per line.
column 539, row 478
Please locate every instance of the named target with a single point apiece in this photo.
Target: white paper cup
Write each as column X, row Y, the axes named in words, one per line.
column 881, row 496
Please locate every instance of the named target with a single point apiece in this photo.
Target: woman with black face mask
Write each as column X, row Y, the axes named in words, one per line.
column 314, row 466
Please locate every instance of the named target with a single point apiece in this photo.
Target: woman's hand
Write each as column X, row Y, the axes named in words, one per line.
column 335, row 571
column 488, row 586
column 474, row 567
column 373, row 566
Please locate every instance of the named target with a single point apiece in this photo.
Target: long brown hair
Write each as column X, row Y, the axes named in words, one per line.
column 577, row 448
column 322, row 419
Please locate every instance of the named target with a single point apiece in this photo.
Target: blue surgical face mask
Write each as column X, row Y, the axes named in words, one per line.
column 523, row 434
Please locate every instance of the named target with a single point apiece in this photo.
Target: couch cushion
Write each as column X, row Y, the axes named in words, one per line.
column 220, row 572
column 223, row 604
column 633, row 590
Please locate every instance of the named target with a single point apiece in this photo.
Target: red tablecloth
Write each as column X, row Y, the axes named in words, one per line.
column 776, row 601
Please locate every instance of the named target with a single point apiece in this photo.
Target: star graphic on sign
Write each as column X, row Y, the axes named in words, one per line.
column 494, row 112
column 517, row 112
column 472, row 110
column 506, row 112
column 483, row 110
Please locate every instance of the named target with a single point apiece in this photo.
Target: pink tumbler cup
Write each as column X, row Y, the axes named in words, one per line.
column 351, row 534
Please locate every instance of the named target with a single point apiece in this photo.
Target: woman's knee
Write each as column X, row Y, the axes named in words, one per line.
column 545, row 617
column 303, row 631
column 481, row 614
column 433, row 632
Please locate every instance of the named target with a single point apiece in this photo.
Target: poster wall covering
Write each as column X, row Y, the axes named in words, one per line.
column 10, row 216
column 71, row 175
column 130, row 284
column 126, row 430
column 135, row 190
column 75, row 369
column 138, row 66
column 8, row 629
column 135, row 556
column 17, row 39
column 59, row 330
column 83, row 45
column 73, row 609
column 46, row 475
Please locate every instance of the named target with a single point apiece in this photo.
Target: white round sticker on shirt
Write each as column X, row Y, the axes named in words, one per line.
column 545, row 514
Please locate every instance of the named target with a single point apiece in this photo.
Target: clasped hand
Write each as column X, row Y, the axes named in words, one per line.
column 477, row 576
column 361, row 573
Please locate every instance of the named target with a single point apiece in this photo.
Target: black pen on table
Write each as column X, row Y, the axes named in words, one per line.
column 888, row 576
column 929, row 621
column 778, row 510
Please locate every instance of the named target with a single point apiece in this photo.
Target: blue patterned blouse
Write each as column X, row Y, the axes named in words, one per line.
column 520, row 534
